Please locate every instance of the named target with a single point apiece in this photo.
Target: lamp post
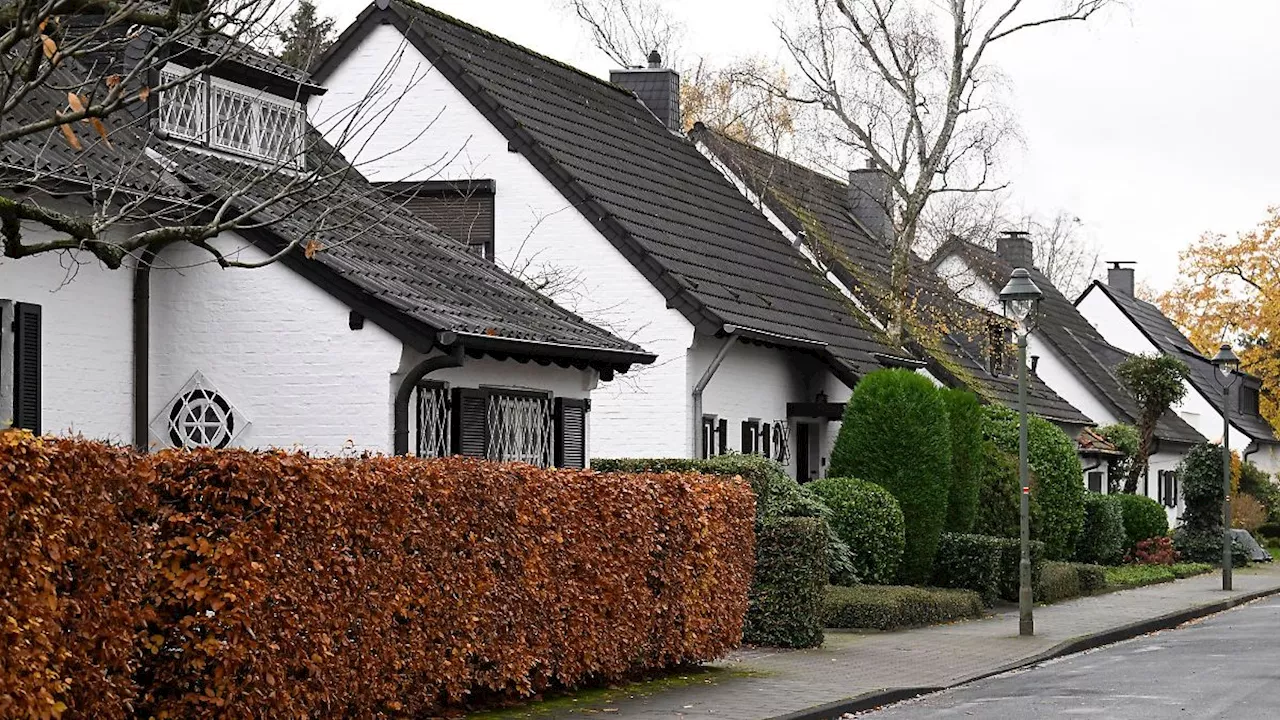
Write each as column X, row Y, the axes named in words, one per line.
column 1227, row 363
column 1019, row 298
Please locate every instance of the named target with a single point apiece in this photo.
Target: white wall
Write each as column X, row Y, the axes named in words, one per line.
column 276, row 346
column 641, row 413
column 964, row 282
column 1063, row 379
column 86, row 337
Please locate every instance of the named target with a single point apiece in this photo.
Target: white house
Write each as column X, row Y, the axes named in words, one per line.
column 373, row 331
column 1074, row 359
column 1137, row 326
column 560, row 175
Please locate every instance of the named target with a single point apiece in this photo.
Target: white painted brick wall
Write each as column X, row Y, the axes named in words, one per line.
column 642, row 413
column 87, row 372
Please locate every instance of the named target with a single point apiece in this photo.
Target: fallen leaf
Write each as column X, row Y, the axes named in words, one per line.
column 113, row 81
column 144, row 93
column 76, row 103
column 102, row 130
column 70, row 135
column 50, row 47
column 311, row 248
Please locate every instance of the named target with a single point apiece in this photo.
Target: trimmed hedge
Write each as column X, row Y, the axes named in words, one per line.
column 1103, row 539
column 1058, row 581
column 1093, row 578
column 999, row 495
column 965, row 415
column 1011, row 566
column 790, row 581
column 273, row 584
column 888, row 607
column 1052, row 456
column 1143, row 518
column 970, row 562
column 866, row 517
column 896, row 434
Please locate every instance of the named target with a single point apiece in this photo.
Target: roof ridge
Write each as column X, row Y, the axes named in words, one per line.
column 420, row 7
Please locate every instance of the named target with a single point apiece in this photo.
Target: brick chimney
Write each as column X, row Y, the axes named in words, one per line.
column 870, row 200
column 1014, row 247
column 657, row 87
column 1119, row 277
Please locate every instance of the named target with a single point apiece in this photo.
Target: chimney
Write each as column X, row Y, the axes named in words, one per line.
column 1119, row 277
column 657, row 87
column 871, row 199
column 1014, row 247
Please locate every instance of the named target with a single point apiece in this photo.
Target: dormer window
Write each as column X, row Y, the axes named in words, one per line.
column 1249, row 400
column 223, row 115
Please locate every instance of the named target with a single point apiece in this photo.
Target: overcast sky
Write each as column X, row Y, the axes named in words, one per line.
column 1152, row 125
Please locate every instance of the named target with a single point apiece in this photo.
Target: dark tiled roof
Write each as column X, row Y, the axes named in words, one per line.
column 1091, row 442
column 1161, row 331
column 817, row 204
column 1076, row 340
column 657, row 199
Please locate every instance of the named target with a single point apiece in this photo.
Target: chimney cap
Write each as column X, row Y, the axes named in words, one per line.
column 1015, row 233
column 655, row 60
column 1120, row 264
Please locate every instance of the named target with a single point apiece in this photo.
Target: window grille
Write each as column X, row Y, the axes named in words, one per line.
column 433, row 418
column 226, row 116
column 182, row 109
column 520, row 428
column 235, row 125
column 781, row 441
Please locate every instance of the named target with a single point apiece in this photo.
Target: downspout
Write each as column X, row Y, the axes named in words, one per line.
column 142, row 349
column 410, row 381
column 701, row 385
column 1253, row 447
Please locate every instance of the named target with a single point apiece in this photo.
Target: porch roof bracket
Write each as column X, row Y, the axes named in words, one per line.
column 407, row 384
column 731, row 334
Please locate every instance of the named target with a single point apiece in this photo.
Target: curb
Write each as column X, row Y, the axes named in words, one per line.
column 888, row 696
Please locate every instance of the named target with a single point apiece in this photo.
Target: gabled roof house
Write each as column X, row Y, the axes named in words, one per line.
column 1137, row 326
column 373, row 331
column 586, row 181
column 962, row 345
column 1072, row 357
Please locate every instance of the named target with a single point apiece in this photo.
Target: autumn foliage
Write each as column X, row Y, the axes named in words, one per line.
column 273, row 584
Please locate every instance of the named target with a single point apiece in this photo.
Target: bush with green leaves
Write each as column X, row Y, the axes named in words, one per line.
column 1103, row 539
column 888, row 607
column 1011, row 566
column 999, row 495
column 1126, row 440
column 1058, row 581
column 1157, row 382
column 867, row 519
column 1093, row 578
column 1144, row 518
column 1257, row 482
column 965, row 415
column 896, row 434
column 1060, row 490
column 969, row 562
column 1199, row 537
column 787, row 591
column 1202, row 547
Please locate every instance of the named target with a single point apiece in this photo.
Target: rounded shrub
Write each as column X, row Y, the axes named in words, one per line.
column 965, row 415
column 1201, row 475
column 896, row 434
column 1143, row 518
column 1052, row 457
column 869, row 522
column 999, row 495
column 1103, row 539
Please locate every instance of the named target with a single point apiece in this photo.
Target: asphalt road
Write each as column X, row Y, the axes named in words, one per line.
column 1223, row 666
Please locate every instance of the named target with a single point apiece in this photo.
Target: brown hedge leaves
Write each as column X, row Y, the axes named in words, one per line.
column 238, row 584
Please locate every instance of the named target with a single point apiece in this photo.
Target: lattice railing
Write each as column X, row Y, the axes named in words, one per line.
column 520, row 428
column 182, row 109
column 433, row 418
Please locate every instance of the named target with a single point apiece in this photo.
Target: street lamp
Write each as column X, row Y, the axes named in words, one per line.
column 1019, row 298
column 1227, row 363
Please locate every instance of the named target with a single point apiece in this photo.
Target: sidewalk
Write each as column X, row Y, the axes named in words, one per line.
column 853, row 671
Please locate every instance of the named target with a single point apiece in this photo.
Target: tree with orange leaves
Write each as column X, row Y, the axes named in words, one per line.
column 1228, row 290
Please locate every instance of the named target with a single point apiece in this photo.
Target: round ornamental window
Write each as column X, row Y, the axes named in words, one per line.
column 201, row 418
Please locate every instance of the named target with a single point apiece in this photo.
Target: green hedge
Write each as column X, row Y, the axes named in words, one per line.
column 965, row 415
column 789, row 584
column 1129, row 576
column 1143, row 518
column 1010, row 566
column 1093, row 578
column 999, row 495
column 1103, row 539
column 1060, row 489
column 896, row 434
column 867, row 519
column 888, row 607
column 970, row 562
column 1186, row 570
column 1058, row 581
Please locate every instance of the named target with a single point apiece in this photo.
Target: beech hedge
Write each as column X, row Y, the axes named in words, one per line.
column 274, row 584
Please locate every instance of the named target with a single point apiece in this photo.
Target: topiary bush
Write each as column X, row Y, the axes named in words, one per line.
column 840, row 568
column 1058, row 581
column 867, row 519
column 1052, row 456
column 785, row 606
column 896, row 434
column 1103, row 539
column 969, row 562
column 965, row 414
column 1093, row 578
column 886, row 607
column 1143, row 518
column 1199, row 537
column 1011, row 566
column 999, row 495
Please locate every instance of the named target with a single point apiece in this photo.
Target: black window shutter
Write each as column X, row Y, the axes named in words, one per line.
column 722, row 437
column 571, row 433
column 764, row 439
column 708, row 435
column 26, row 366
column 470, row 422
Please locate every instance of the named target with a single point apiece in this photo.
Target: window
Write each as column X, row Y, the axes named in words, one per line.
column 220, row 114
column 518, row 426
column 433, row 417
column 1095, row 481
column 1168, row 488
column 1249, row 400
